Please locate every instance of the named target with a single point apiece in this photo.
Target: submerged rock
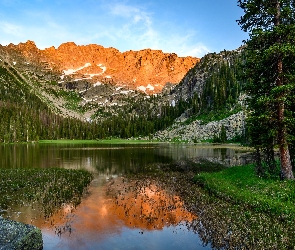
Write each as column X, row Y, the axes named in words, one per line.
column 15, row 235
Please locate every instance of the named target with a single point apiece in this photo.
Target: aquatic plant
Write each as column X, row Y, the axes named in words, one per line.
column 48, row 189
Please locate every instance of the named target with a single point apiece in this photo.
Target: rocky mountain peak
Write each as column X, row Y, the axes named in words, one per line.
column 145, row 70
column 66, row 46
column 28, row 49
column 29, row 45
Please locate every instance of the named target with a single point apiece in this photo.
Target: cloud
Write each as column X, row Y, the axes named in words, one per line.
column 137, row 24
column 135, row 19
column 134, row 13
column 186, row 44
column 11, row 29
column 45, row 32
column 139, row 29
column 197, row 50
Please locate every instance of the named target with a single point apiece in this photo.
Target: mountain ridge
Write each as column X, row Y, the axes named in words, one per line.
column 144, row 70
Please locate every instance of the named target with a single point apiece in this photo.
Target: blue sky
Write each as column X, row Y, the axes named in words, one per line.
column 184, row 27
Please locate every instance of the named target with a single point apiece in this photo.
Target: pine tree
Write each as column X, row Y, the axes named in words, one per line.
column 270, row 55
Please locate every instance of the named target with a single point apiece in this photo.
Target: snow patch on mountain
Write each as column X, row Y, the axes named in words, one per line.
column 97, row 84
column 142, row 88
column 103, row 68
column 149, row 87
column 73, row 71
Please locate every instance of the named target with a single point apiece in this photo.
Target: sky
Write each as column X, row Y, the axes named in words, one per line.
column 184, row 27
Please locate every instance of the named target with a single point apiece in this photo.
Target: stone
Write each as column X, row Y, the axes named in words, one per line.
column 16, row 235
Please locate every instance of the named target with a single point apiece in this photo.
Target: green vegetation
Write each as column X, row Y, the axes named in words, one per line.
column 240, row 185
column 221, row 138
column 72, row 99
column 221, row 90
column 269, row 70
column 27, row 117
column 50, row 188
column 139, row 119
column 222, row 222
column 210, row 116
column 105, row 141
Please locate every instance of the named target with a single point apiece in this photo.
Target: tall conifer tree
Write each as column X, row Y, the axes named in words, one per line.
column 270, row 58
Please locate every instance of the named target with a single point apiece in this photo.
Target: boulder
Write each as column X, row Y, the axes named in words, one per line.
column 15, row 235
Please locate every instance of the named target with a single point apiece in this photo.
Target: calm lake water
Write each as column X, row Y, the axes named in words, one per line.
column 101, row 223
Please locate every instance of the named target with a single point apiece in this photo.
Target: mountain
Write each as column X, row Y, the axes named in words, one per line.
column 146, row 70
column 87, row 92
column 212, row 98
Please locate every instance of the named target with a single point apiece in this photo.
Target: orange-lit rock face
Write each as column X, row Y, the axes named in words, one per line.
column 147, row 70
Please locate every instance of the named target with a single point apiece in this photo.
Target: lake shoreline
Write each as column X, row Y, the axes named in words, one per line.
column 222, row 221
column 125, row 160
column 135, row 141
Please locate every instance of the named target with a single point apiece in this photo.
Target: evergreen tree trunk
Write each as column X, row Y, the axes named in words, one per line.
column 286, row 166
column 258, row 166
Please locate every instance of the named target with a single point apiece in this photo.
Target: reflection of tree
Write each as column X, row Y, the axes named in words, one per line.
column 223, row 153
column 102, row 158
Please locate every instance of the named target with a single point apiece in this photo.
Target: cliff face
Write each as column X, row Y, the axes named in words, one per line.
column 146, row 70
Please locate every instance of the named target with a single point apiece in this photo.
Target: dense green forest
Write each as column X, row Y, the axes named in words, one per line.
column 269, row 70
column 24, row 117
column 222, row 89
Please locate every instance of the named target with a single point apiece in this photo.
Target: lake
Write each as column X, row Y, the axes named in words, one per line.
column 129, row 221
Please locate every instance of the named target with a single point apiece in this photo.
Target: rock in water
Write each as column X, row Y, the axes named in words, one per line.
column 15, row 235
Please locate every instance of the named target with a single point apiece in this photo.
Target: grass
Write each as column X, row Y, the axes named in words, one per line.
column 105, row 141
column 217, row 115
column 240, row 185
column 50, row 188
column 72, row 99
column 209, row 116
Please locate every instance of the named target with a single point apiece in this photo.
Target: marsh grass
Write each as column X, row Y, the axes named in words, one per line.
column 50, row 188
column 240, row 185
